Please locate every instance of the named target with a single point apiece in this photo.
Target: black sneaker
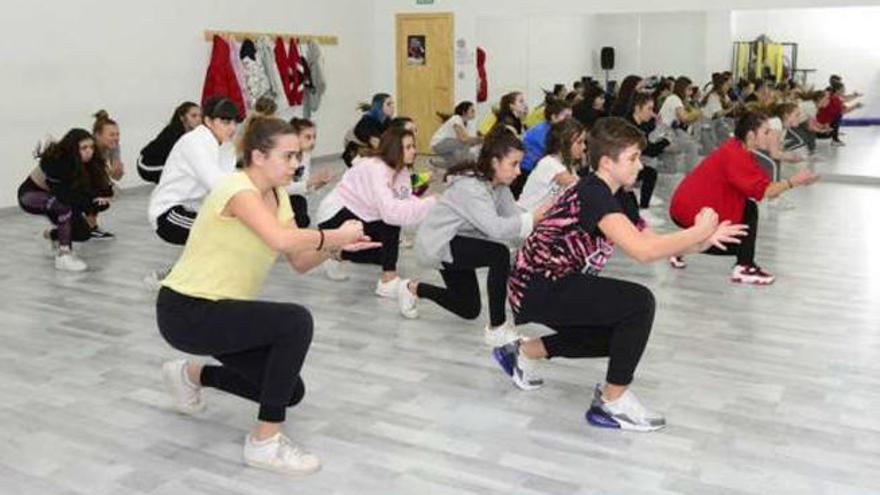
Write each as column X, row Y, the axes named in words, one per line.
column 102, row 235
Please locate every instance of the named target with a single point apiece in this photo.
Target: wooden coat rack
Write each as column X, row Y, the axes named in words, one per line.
column 243, row 35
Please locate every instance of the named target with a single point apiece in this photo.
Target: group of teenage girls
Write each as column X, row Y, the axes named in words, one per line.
column 562, row 192
column 72, row 184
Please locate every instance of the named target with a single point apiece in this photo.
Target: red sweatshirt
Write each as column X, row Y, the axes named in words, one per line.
column 722, row 181
column 830, row 112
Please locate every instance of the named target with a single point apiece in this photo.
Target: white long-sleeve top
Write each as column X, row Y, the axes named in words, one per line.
column 196, row 163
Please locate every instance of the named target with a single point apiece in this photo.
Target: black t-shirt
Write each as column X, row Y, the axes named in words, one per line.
column 595, row 193
column 584, row 113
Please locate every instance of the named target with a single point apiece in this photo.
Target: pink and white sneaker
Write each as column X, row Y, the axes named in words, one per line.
column 751, row 275
column 677, row 262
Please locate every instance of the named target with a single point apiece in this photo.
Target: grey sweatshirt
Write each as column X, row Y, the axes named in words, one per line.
column 470, row 207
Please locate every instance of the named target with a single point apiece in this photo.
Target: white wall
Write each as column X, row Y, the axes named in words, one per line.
column 65, row 60
column 832, row 40
column 468, row 12
column 531, row 54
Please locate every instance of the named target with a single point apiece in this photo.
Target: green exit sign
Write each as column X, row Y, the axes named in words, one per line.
column 424, row 2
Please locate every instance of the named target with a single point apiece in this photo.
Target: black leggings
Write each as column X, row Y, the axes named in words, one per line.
column 300, row 207
column 174, row 225
column 379, row 231
column 462, row 294
column 261, row 345
column 593, row 317
column 648, row 176
column 149, row 173
column 70, row 224
column 745, row 250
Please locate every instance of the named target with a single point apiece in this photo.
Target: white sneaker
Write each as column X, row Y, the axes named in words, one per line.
column 519, row 368
column 388, row 289
column 754, row 275
column 625, row 413
column 498, row 336
column 407, row 301
column 651, row 219
column 279, row 455
column 334, row 270
column 68, row 261
column 656, row 201
column 677, row 262
column 187, row 396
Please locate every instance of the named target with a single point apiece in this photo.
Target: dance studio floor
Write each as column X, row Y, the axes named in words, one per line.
column 766, row 389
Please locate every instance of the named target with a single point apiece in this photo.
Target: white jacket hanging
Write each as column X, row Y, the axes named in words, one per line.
column 266, row 54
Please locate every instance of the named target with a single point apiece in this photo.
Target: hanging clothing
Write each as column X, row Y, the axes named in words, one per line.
column 220, row 79
column 299, row 80
column 287, row 60
column 256, row 82
column 482, row 81
column 314, row 94
column 265, row 53
column 238, row 68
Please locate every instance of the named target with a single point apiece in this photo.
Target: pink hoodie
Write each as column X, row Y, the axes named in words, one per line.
column 370, row 190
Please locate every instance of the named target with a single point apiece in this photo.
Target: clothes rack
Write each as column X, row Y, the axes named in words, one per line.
column 243, row 35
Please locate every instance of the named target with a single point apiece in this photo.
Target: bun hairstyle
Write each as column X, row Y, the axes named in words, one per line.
column 102, row 120
column 265, row 106
column 261, row 134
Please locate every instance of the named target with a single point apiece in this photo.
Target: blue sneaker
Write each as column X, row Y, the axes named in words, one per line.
column 625, row 413
column 520, row 370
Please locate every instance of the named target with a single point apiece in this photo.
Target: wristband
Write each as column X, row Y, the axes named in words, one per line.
column 321, row 243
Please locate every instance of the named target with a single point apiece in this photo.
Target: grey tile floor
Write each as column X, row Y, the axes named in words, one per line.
column 766, row 390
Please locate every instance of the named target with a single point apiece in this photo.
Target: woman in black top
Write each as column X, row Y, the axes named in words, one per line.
column 623, row 104
column 70, row 182
column 186, row 117
column 592, row 108
column 511, row 110
column 368, row 131
column 642, row 116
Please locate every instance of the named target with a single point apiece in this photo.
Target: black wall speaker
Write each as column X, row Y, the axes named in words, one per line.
column 607, row 58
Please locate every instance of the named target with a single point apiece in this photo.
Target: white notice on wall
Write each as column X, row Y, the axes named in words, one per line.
column 463, row 56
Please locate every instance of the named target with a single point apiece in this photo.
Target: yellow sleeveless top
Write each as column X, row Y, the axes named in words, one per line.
column 223, row 258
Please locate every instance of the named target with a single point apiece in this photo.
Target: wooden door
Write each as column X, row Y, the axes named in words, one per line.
column 425, row 79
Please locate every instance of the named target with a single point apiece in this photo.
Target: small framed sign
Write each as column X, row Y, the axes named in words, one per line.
column 416, row 49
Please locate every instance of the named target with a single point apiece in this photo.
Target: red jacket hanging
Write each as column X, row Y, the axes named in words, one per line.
column 482, row 81
column 299, row 81
column 220, row 78
column 290, row 68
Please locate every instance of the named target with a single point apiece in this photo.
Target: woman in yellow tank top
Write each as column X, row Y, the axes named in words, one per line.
column 206, row 305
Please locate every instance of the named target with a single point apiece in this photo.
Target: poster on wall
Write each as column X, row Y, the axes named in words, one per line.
column 416, row 49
